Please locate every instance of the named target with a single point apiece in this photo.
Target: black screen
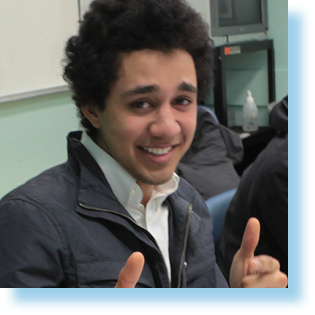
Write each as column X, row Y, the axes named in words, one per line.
column 239, row 12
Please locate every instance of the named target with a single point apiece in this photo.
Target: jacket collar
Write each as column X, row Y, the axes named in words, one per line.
column 94, row 189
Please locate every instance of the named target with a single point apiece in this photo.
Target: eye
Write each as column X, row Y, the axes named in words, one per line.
column 140, row 105
column 183, row 101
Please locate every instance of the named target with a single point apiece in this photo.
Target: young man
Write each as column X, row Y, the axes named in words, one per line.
column 137, row 69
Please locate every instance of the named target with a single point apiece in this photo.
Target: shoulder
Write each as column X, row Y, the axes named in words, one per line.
column 50, row 187
column 188, row 193
column 273, row 159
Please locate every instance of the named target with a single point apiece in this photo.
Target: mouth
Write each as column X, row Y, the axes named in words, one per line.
column 158, row 157
column 158, row 151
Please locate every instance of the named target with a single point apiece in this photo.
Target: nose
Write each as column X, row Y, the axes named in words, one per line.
column 165, row 124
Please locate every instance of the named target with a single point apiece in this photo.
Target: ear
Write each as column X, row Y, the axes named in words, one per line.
column 92, row 113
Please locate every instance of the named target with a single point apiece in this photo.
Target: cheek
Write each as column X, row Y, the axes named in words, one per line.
column 126, row 132
column 189, row 126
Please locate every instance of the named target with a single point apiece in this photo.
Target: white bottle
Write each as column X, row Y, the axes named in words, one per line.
column 250, row 114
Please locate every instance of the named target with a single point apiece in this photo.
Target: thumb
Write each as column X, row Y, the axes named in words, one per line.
column 131, row 272
column 250, row 238
column 243, row 263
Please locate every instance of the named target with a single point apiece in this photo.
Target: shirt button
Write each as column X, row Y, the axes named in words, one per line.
column 185, row 264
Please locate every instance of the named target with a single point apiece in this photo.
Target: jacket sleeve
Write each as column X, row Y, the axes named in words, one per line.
column 30, row 247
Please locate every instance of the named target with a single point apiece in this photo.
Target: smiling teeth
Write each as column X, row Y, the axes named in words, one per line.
column 158, row 151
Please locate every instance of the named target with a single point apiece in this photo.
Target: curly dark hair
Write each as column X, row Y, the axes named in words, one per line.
column 112, row 27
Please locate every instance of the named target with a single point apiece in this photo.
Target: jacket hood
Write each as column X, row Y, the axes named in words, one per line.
column 278, row 118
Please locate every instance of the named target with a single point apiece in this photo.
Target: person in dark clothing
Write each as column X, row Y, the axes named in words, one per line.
column 262, row 193
column 213, row 153
column 116, row 214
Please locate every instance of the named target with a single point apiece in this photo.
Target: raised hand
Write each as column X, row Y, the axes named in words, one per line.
column 249, row 271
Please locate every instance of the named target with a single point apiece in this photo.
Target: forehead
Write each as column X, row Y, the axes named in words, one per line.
column 157, row 67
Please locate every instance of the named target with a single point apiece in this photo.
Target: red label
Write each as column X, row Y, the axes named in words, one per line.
column 227, row 50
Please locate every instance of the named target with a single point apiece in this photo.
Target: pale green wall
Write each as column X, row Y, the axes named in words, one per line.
column 33, row 136
column 278, row 23
column 33, row 131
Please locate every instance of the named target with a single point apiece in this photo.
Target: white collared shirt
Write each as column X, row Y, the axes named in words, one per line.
column 153, row 217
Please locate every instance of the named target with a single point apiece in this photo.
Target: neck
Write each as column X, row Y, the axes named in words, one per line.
column 147, row 191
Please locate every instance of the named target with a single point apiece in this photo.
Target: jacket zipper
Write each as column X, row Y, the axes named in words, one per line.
column 185, row 247
column 121, row 215
column 126, row 217
column 110, row 211
column 134, row 222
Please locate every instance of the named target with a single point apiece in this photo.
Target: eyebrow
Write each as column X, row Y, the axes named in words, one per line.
column 145, row 89
column 187, row 87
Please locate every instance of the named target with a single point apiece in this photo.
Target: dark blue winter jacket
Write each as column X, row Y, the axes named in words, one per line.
column 66, row 228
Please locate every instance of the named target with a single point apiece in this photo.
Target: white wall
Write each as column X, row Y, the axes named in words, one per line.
column 33, row 35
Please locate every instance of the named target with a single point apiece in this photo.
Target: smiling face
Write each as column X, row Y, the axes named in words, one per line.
column 149, row 118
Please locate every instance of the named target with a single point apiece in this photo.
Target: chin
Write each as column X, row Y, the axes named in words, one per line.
column 154, row 180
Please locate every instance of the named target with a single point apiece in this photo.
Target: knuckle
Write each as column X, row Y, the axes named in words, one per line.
column 246, row 283
column 275, row 264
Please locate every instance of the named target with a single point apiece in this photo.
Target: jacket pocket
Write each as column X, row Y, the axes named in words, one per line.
column 104, row 274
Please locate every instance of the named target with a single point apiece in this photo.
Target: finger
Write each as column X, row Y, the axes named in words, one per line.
column 271, row 280
column 131, row 272
column 250, row 238
column 263, row 264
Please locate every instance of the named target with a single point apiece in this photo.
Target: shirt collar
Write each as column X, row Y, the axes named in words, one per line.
column 121, row 182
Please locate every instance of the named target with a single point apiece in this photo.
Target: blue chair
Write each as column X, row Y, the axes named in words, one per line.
column 211, row 112
column 218, row 206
